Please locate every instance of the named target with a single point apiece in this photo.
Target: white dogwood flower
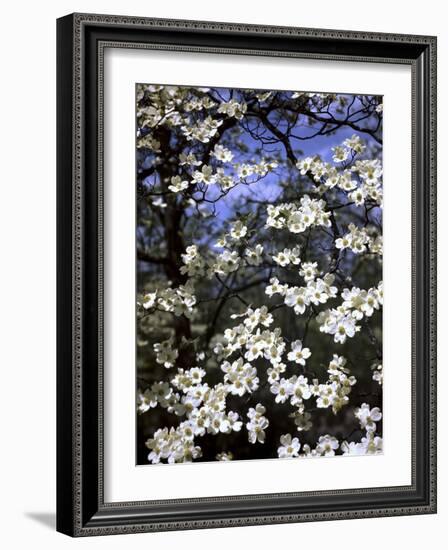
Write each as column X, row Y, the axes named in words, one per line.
column 177, row 184
column 326, row 445
column 298, row 354
column 238, row 231
column 289, row 448
column 367, row 417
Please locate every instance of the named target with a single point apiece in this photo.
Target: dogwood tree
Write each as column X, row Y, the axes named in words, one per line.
column 259, row 255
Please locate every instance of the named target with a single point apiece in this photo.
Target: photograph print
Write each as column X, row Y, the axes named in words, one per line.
column 259, row 274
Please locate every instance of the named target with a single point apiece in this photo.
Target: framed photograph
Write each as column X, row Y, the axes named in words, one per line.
column 246, row 274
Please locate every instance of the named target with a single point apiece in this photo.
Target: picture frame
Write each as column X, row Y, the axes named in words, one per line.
column 81, row 506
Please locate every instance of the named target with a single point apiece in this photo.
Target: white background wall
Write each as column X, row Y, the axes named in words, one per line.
column 27, row 272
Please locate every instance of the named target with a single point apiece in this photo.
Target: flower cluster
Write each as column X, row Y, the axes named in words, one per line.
column 327, row 444
column 334, row 393
column 198, row 104
column 204, row 408
column 250, row 340
column 357, row 239
column 287, row 256
column 174, row 445
column 166, row 354
column 179, row 301
column 240, row 377
column 298, row 219
column 203, row 130
column 186, row 379
column 361, row 181
column 370, row 443
column 233, row 108
column 204, row 176
column 224, row 263
column 318, row 290
column 194, row 264
column 257, row 424
column 357, row 304
column 296, row 389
